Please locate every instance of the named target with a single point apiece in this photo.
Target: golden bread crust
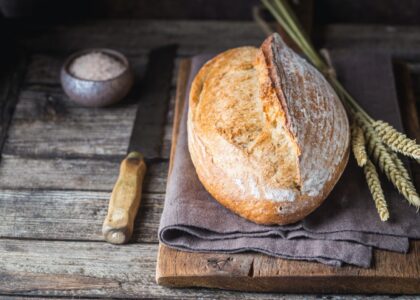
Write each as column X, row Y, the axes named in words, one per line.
column 254, row 133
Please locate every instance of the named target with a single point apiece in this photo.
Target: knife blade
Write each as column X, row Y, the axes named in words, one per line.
column 143, row 146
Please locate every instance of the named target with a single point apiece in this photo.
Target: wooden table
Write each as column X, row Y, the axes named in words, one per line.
column 59, row 162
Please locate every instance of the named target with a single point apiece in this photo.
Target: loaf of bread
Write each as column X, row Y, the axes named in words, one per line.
column 267, row 134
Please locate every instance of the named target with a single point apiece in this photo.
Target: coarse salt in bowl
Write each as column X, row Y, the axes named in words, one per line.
column 96, row 66
column 96, row 77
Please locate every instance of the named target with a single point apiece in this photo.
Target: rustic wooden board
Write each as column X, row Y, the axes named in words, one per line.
column 391, row 272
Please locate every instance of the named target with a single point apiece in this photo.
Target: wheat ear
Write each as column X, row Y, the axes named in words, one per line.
column 358, row 145
column 375, row 188
column 400, row 165
column 380, row 154
column 397, row 141
column 403, row 171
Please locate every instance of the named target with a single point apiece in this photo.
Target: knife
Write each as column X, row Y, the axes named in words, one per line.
column 143, row 146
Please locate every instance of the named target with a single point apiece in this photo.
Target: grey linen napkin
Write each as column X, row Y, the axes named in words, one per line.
column 343, row 230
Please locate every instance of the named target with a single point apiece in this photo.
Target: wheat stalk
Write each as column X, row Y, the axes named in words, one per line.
column 374, row 184
column 379, row 137
column 387, row 164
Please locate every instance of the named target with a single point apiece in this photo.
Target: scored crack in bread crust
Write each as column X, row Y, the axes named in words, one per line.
column 267, row 135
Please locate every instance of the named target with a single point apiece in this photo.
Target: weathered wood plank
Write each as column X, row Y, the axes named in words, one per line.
column 86, row 269
column 393, row 273
column 138, row 36
column 39, row 268
column 73, row 174
column 70, row 215
column 47, row 123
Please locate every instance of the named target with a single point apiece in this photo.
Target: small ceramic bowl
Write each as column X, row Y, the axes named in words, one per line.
column 97, row 92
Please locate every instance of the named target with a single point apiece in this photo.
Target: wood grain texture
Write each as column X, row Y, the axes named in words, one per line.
column 73, row 174
column 94, row 270
column 48, row 124
column 70, row 215
column 391, row 272
column 84, row 269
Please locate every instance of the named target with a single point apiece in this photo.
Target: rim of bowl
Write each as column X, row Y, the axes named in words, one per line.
column 108, row 51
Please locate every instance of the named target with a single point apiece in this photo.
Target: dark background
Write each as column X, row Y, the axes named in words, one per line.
column 392, row 12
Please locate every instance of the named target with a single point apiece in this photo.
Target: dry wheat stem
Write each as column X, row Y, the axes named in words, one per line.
column 375, row 188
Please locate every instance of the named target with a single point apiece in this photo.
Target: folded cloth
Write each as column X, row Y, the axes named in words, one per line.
column 346, row 226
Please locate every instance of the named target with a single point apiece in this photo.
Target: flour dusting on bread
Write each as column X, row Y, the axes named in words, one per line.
column 267, row 134
column 314, row 112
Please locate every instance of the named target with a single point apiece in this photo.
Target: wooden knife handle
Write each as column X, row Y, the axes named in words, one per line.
column 125, row 200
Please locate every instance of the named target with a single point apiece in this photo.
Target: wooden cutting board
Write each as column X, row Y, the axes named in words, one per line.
column 390, row 273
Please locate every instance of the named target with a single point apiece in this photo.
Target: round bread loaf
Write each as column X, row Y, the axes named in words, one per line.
column 268, row 136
